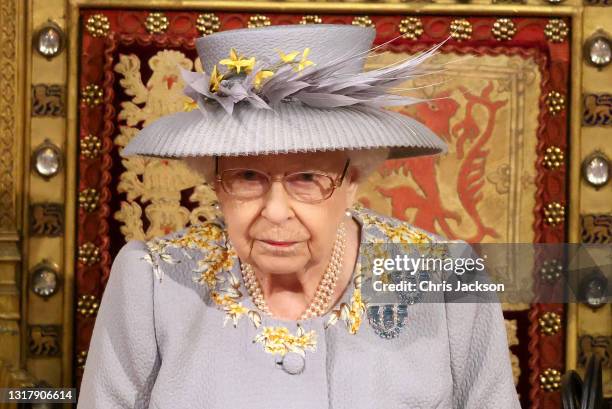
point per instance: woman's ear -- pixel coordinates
(353, 185)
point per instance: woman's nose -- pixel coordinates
(277, 206)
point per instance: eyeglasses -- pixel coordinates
(307, 187)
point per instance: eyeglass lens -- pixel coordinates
(303, 186)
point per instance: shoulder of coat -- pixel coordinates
(393, 228)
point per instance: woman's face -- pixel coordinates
(276, 233)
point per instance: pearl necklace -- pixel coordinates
(323, 294)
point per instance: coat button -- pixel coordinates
(292, 363)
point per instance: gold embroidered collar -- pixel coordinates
(218, 270)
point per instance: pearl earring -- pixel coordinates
(347, 212)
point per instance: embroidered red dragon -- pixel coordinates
(469, 144)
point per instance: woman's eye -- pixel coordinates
(249, 175)
(306, 177)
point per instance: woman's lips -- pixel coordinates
(279, 243)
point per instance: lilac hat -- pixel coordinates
(282, 89)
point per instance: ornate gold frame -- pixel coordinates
(12, 120)
(18, 138)
(574, 12)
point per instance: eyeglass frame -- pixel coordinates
(336, 182)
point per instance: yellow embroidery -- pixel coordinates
(355, 312)
(234, 310)
(199, 236)
(404, 234)
(279, 341)
(350, 313)
(218, 259)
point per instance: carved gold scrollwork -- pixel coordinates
(9, 111)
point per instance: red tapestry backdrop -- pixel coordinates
(127, 80)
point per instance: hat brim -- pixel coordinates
(289, 128)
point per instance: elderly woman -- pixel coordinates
(265, 306)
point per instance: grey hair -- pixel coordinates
(365, 161)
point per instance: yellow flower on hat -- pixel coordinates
(189, 105)
(260, 77)
(237, 62)
(304, 62)
(215, 79)
(290, 59)
(287, 58)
